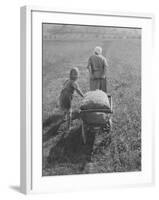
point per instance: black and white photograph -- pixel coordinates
(91, 99)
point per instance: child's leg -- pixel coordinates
(69, 119)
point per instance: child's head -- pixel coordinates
(74, 73)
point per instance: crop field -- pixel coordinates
(64, 153)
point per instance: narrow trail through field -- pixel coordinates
(69, 149)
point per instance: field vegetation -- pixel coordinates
(117, 151)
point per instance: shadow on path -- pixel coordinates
(71, 149)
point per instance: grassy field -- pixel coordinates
(123, 152)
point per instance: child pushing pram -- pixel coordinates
(66, 95)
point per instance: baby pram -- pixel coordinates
(96, 120)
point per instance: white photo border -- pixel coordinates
(32, 180)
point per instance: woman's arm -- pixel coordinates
(105, 65)
(89, 66)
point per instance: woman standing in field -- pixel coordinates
(97, 65)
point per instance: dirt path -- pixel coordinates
(68, 151)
